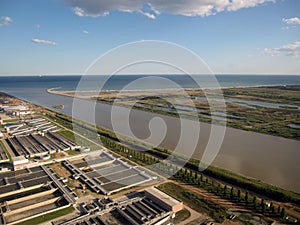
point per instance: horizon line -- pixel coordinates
(149, 74)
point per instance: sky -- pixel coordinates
(231, 36)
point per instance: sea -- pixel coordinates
(117, 82)
(272, 159)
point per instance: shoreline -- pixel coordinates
(53, 90)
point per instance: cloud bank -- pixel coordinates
(152, 8)
(5, 21)
(46, 42)
(288, 50)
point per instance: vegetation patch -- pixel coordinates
(47, 217)
(195, 201)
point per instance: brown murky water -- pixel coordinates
(268, 158)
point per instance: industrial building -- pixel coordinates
(42, 125)
(107, 174)
(19, 162)
(144, 211)
(18, 110)
(166, 201)
(32, 192)
(155, 207)
(35, 145)
(29, 126)
(151, 207)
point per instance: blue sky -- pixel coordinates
(232, 37)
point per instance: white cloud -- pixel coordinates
(46, 42)
(239, 4)
(149, 15)
(38, 26)
(85, 32)
(5, 20)
(96, 8)
(155, 7)
(289, 50)
(80, 12)
(294, 20)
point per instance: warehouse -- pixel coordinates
(32, 192)
(106, 174)
(163, 199)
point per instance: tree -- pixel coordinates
(263, 205)
(239, 195)
(254, 202)
(278, 210)
(272, 208)
(231, 193)
(225, 190)
(282, 214)
(246, 198)
(219, 188)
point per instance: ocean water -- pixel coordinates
(13, 83)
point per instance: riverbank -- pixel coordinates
(269, 109)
